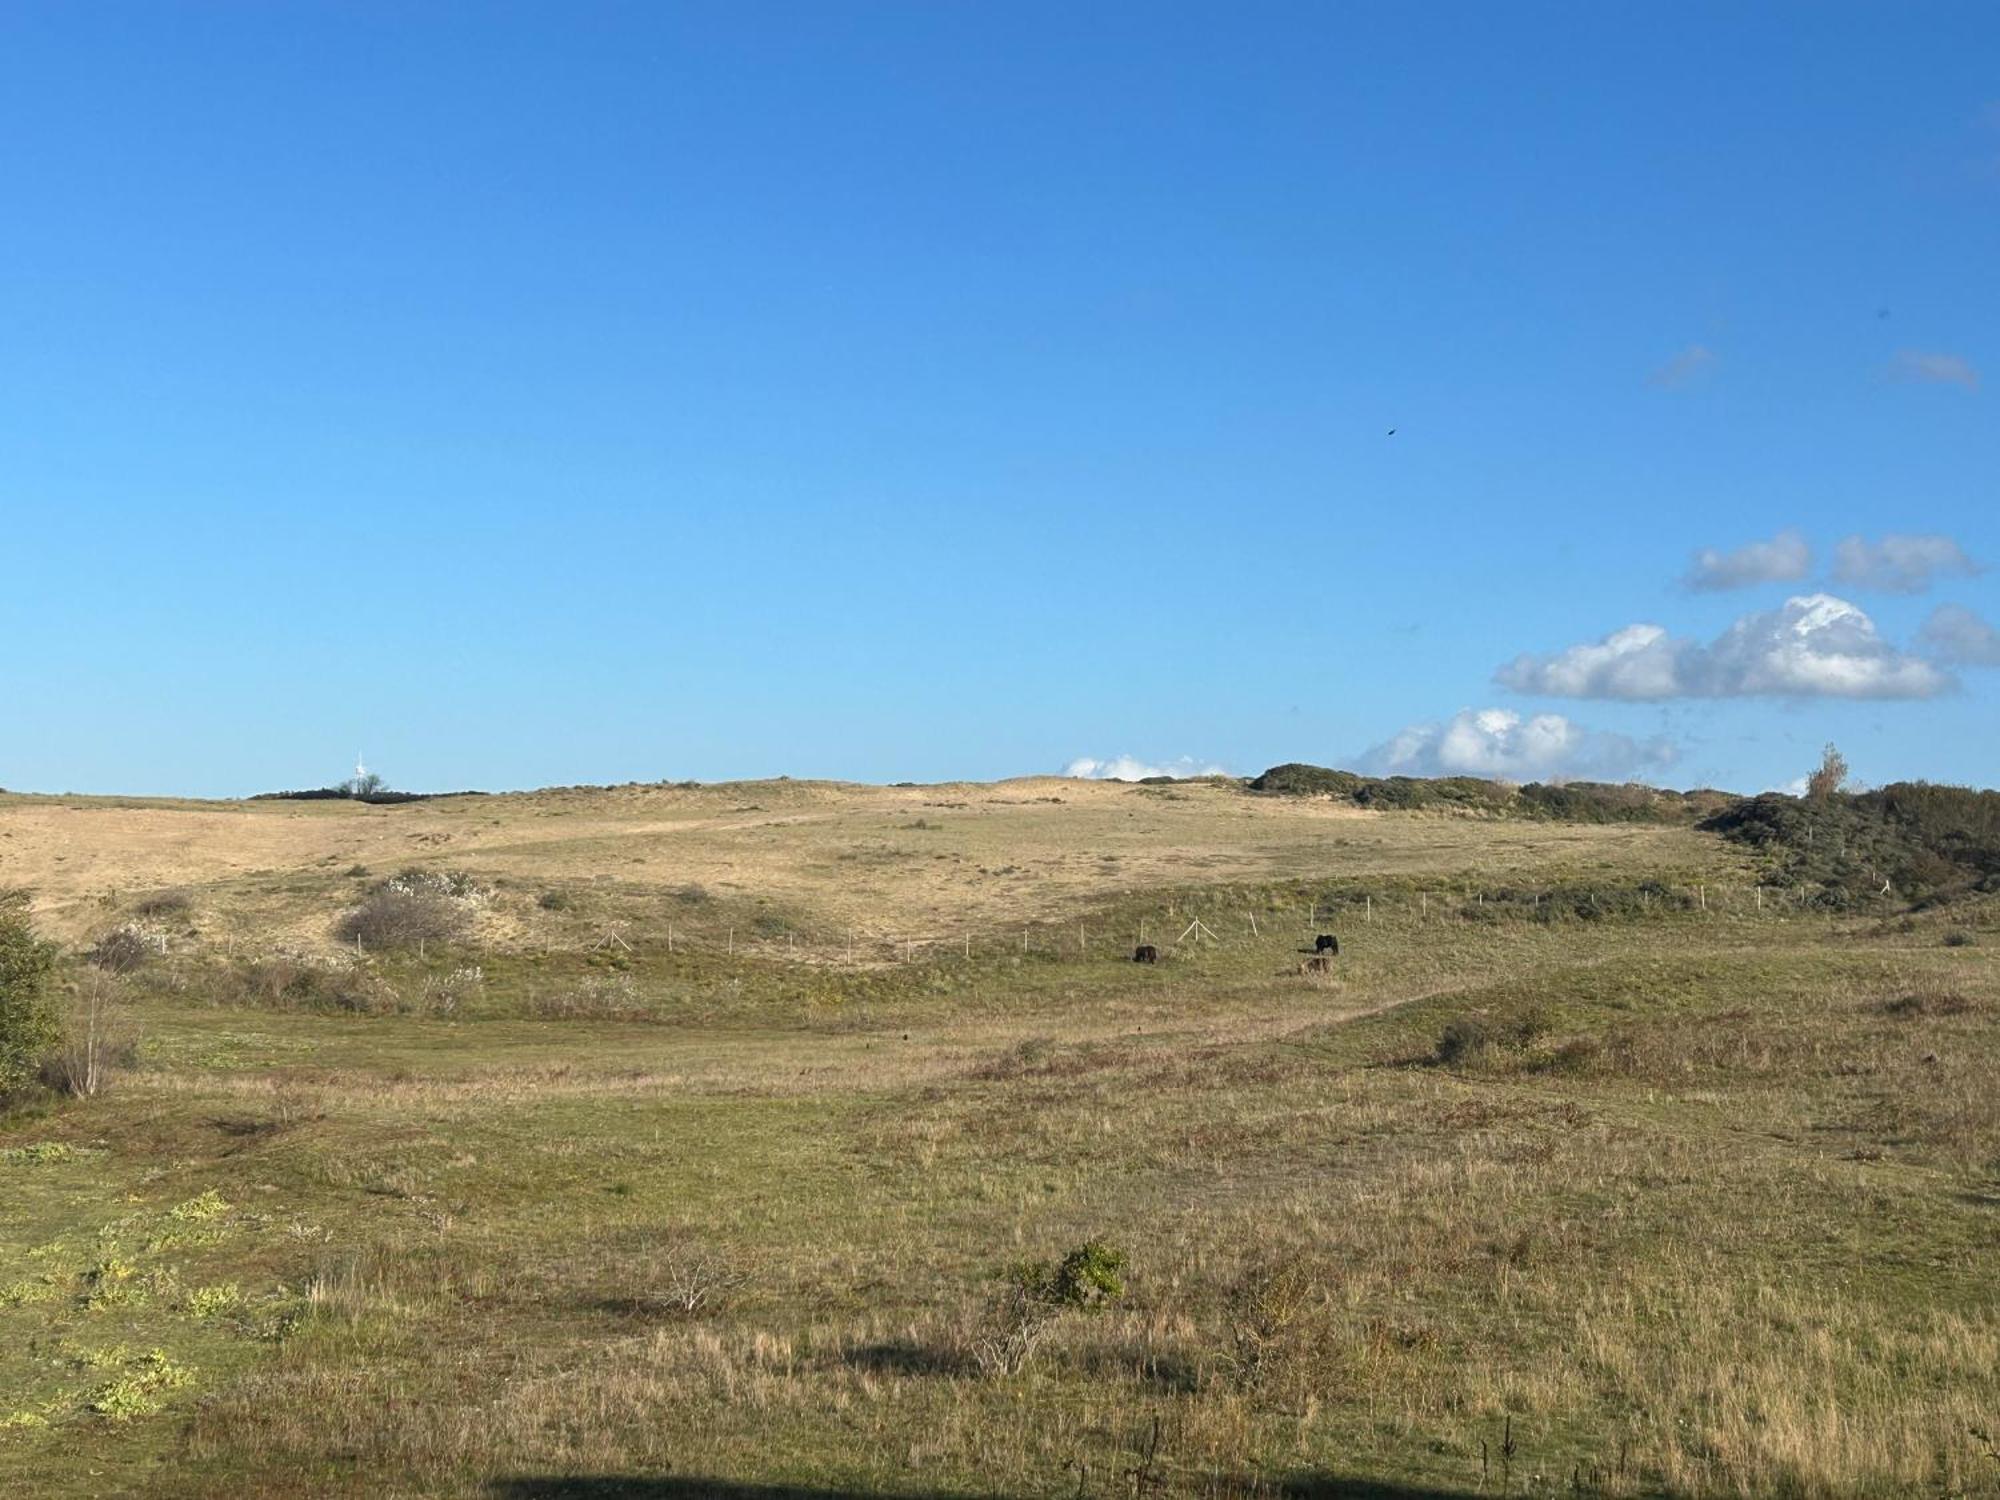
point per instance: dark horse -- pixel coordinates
(1145, 953)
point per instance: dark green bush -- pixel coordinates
(30, 1022)
(1909, 841)
(1089, 1277)
(1296, 779)
(1572, 802)
(1470, 1041)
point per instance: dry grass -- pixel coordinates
(854, 857)
(1718, 1222)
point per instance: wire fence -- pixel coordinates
(1174, 924)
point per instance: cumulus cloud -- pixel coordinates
(1785, 558)
(1639, 662)
(1936, 369)
(1500, 744)
(1131, 768)
(1899, 564)
(1816, 646)
(1957, 635)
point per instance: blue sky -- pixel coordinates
(529, 394)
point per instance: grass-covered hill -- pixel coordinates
(795, 1139)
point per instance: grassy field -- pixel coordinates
(698, 1161)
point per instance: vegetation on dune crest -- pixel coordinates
(1901, 843)
(1907, 842)
(1572, 801)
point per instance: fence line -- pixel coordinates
(1191, 924)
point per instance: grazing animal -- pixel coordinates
(1326, 942)
(1319, 963)
(1145, 953)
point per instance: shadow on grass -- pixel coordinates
(695, 1487)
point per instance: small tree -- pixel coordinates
(367, 784)
(1829, 778)
(29, 1021)
(96, 1040)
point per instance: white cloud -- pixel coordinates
(1785, 558)
(1957, 635)
(1500, 744)
(1816, 646)
(1685, 367)
(1899, 564)
(1639, 662)
(1130, 768)
(1936, 369)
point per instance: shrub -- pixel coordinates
(1296, 779)
(1572, 802)
(693, 1279)
(123, 949)
(289, 983)
(1928, 1000)
(1035, 1294)
(1470, 1041)
(1599, 802)
(454, 884)
(413, 908)
(163, 904)
(555, 901)
(1089, 1277)
(30, 1022)
(392, 919)
(1465, 1040)
(97, 1041)
(1910, 840)
(1265, 1310)
(597, 997)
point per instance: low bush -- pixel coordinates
(1909, 841)
(1266, 1311)
(1928, 1000)
(124, 949)
(286, 982)
(398, 919)
(1475, 1041)
(98, 1040)
(163, 904)
(1573, 802)
(414, 908)
(1296, 779)
(1035, 1294)
(598, 997)
(30, 1015)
